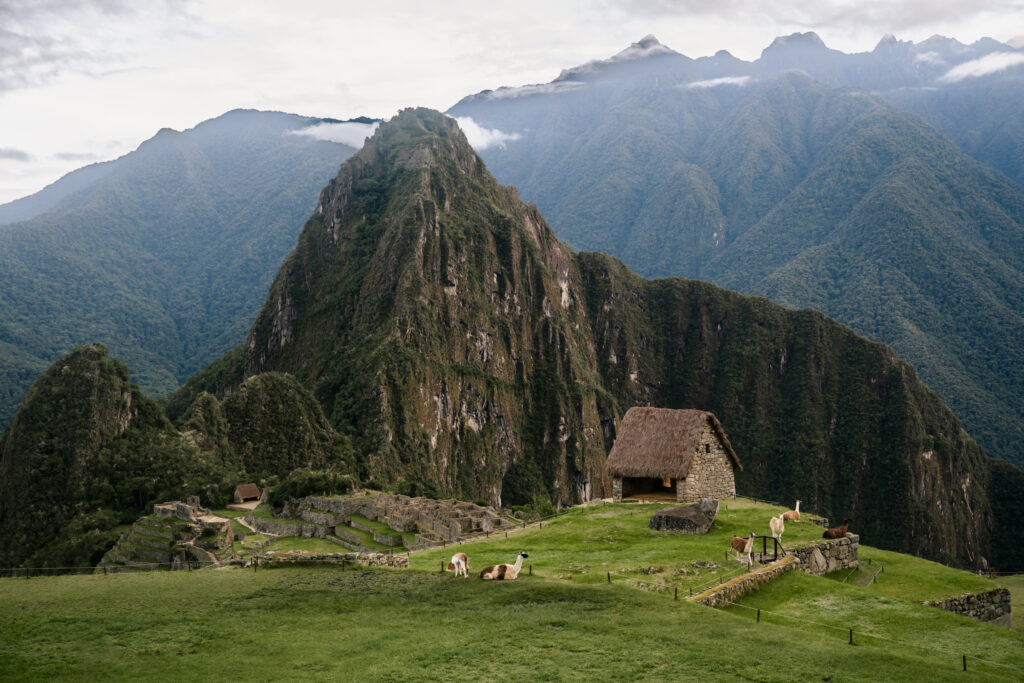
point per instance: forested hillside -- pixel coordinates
(772, 178)
(164, 253)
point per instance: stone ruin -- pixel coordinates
(412, 523)
(176, 536)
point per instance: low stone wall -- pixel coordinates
(283, 528)
(828, 556)
(736, 588)
(992, 607)
(283, 557)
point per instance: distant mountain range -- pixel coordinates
(789, 176)
(803, 177)
(164, 254)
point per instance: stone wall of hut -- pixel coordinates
(711, 474)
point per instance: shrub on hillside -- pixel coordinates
(308, 482)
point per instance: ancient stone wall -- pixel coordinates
(828, 556)
(617, 489)
(711, 474)
(736, 588)
(369, 559)
(992, 607)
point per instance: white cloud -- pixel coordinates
(482, 138)
(715, 82)
(506, 92)
(928, 58)
(989, 64)
(351, 133)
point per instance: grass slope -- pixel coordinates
(325, 623)
(420, 624)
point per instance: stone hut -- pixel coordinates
(684, 453)
(246, 492)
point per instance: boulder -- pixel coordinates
(686, 519)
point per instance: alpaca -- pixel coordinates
(837, 531)
(793, 515)
(743, 545)
(778, 526)
(505, 572)
(460, 565)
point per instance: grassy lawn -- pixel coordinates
(562, 622)
(326, 623)
(586, 544)
(885, 617)
(1016, 586)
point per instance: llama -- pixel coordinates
(778, 526)
(504, 572)
(460, 565)
(837, 531)
(793, 515)
(743, 545)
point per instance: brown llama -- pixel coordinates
(837, 531)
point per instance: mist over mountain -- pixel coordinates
(163, 253)
(786, 177)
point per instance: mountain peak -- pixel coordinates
(648, 46)
(798, 40)
(420, 138)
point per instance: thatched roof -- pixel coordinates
(247, 491)
(657, 442)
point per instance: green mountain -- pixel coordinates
(771, 183)
(467, 352)
(86, 452)
(164, 253)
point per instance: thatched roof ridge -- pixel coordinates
(247, 491)
(658, 442)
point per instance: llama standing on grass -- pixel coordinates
(460, 565)
(778, 526)
(792, 515)
(837, 531)
(743, 545)
(504, 572)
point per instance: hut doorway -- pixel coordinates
(637, 486)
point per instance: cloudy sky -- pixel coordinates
(89, 80)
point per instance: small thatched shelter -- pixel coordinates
(246, 492)
(681, 452)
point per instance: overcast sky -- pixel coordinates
(84, 81)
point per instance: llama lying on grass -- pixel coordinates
(778, 526)
(504, 572)
(792, 515)
(743, 545)
(837, 531)
(460, 565)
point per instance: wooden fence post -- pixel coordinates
(759, 615)
(965, 662)
(851, 636)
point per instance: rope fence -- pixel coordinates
(959, 657)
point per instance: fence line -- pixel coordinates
(887, 639)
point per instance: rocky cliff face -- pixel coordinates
(815, 412)
(466, 352)
(441, 324)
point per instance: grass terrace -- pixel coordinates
(564, 621)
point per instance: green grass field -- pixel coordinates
(330, 623)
